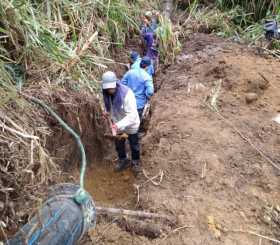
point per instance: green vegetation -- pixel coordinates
(255, 10)
(57, 37)
(242, 20)
(169, 44)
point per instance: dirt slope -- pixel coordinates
(214, 181)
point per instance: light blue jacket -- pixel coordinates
(141, 83)
(136, 63)
(150, 69)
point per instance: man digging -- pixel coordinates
(120, 104)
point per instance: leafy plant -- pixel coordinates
(169, 44)
(48, 35)
(236, 19)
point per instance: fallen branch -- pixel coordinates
(15, 132)
(138, 214)
(137, 187)
(176, 230)
(160, 175)
(79, 52)
(273, 53)
(6, 118)
(139, 227)
(265, 79)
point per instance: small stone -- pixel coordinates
(250, 97)
(126, 178)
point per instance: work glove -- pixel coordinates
(114, 129)
(105, 115)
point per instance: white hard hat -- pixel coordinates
(109, 80)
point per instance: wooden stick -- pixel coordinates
(140, 227)
(13, 131)
(79, 52)
(137, 187)
(6, 118)
(176, 230)
(160, 174)
(139, 214)
(264, 78)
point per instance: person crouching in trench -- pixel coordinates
(120, 104)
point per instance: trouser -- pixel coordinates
(140, 113)
(134, 147)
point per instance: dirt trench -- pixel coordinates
(220, 188)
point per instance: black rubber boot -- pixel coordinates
(136, 167)
(122, 165)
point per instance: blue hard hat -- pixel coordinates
(146, 61)
(134, 55)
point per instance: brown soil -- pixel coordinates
(214, 181)
(82, 112)
(109, 188)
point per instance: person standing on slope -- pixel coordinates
(141, 83)
(135, 60)
(120, 104)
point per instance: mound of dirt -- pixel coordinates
(215, 181)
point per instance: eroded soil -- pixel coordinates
(214, 181)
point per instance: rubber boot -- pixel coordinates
(136, 167)
(122, 165)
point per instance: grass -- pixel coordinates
(47, 34)
(240, 20)
(255, 9)
(169, 45)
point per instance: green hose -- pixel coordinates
(17, 74)
(81, 195)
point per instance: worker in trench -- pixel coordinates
(121, 107)
(135, 60)
(149, 37)
(141, 83)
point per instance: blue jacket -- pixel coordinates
(136, 63)
(141, 83)
(151, 27)
(150, 69)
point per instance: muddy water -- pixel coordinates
(110, 188)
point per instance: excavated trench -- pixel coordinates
(83, 114)
(110, 188)
(107, 187)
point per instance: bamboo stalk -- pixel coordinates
(138, 214)
(79, 52)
